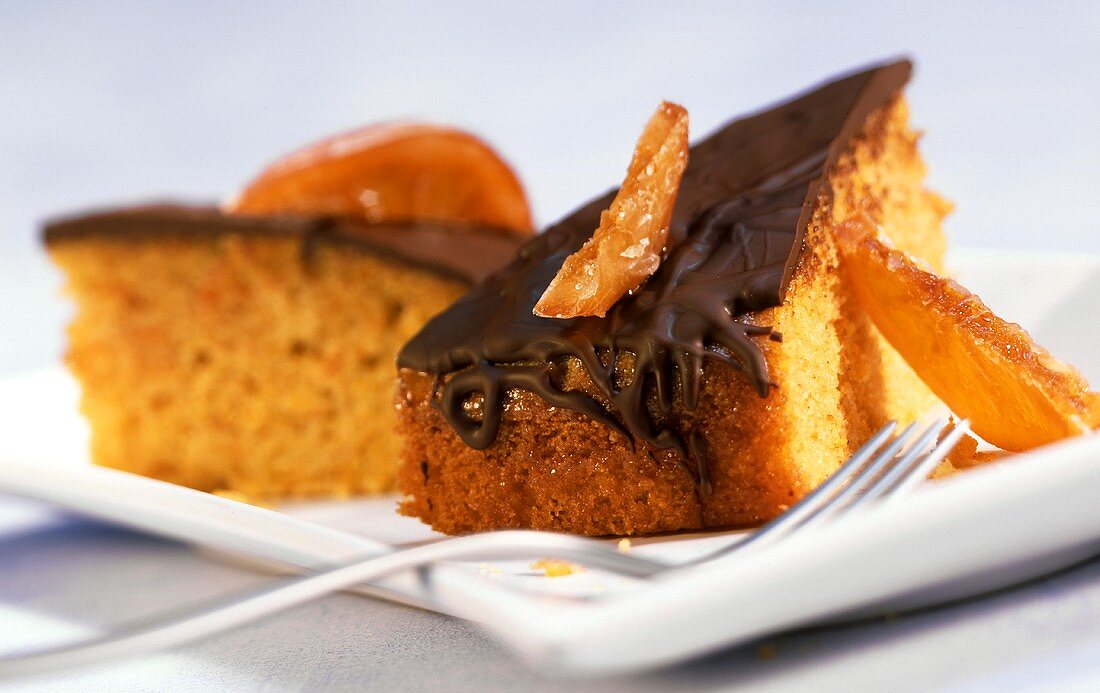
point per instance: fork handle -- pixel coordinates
(172, 631)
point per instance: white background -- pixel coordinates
(110, 101)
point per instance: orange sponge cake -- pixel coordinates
(253, 354)
(726, 387)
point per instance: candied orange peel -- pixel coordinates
(627, 247)
(393, 172)
(1016, 395)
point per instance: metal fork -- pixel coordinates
(883, 470)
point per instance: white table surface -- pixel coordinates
(111, 101)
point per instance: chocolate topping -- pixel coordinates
(745, 200)
(468, 254)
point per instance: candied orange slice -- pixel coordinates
(1016, 395)
(626, 248)
(393, 172)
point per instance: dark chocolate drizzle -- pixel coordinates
(746, 197)
(466, 253)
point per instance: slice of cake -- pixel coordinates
(253, 352)
(736, 379)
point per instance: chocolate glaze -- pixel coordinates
(468, 254)
(745, 200)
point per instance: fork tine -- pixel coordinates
(810, 504)
(883, 462)
(920, 470)
(823, 495)
(914, 466)
(905, 465)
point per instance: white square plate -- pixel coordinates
(971, 533)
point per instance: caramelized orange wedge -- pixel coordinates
(393, 172)
(1016, 395)
(626, 248)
